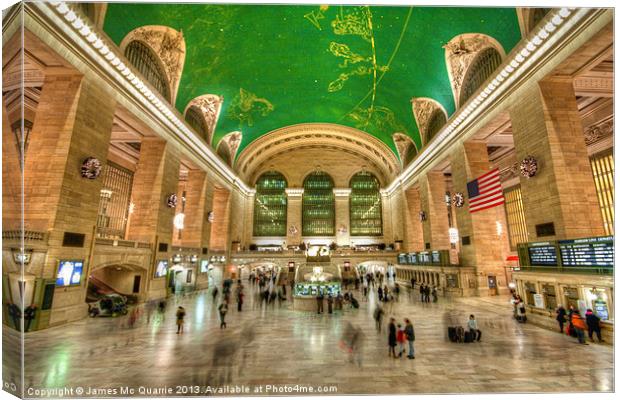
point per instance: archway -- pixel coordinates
(124, 279)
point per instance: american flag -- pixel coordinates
(485, 192)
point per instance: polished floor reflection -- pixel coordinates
(278, 346)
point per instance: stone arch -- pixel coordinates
(169, 47)
(210, 106)
(228, 146)
(407, 149)
(460, 52)
(427, 112)
(120, 276)
(480, 69)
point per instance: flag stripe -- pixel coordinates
(489, 191)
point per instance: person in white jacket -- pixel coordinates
(473, 328)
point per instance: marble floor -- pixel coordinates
(283, 348)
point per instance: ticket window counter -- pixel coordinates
(549, 294)
(530, 291)
(571, 297)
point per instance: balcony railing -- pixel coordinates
(28, 235)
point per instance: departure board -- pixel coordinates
(543, 254)
(402, 259)
(435, 257)
(413, 258)
(424, 257)
(588, 252)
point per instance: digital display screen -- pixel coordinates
(69, 273)
(435, 257)
(402, 259)
(424, 257)
(161, 269)
(204, 266)
(590, 252)
(413, 258)
(541, 255)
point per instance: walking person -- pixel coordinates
(434, 293)
(579, 326)
(400, 339)
(422, 291)
(380, 293)
(378, 315)
(330, 303)
(392, 338)
(180, 319)
(223, 309)
(561, 317)
(473, 328)
(410, 335)
(319, 302)
(594, 326)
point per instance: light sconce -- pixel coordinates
(22, 256)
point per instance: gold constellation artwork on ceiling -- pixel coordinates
(246, 106)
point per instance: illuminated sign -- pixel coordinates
(69, 273)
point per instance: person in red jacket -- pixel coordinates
(579, 326)
(400, 339)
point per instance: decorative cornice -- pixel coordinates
(345, 192)
(294, 192)
(515, 67)
(108, 58)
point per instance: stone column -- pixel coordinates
(220, 227)
(342, 197)
(73, 122)
(433, 202)
(487, 250)
(414, 235)
(195, 213)
(547, 126)
(156, 178)
(293, 216)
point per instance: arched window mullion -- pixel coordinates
(479, 71)
(365, 208)
(147, 63)
(318, 205)
(270, 205)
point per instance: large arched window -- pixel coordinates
(270, 205)
(435, 123)
(480, 69)
(146, 61)
(318, 205)
(195, 119)
(537, 15)
(365, 205)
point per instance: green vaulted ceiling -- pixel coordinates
(280, 65)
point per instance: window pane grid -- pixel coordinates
(143, 58)
(114, 200)
(515, 216)
(603, 172)
(365, 212)
(318, 205)
(270, 205)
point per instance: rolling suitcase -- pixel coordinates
(452, 334)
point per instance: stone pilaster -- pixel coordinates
(195, 213)
(547, 126)
(220, 227)
(433, 203)
(487, 250)
(386, 216)
(414, 236)
(73, 122)
(293, 216)
(342, 197)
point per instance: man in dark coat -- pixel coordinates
(561, 317)
(392, 337)
(593, 322)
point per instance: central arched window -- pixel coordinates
(318, 205)
(365, 205)
(147, 63)
(480, 69)
(270, 205)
